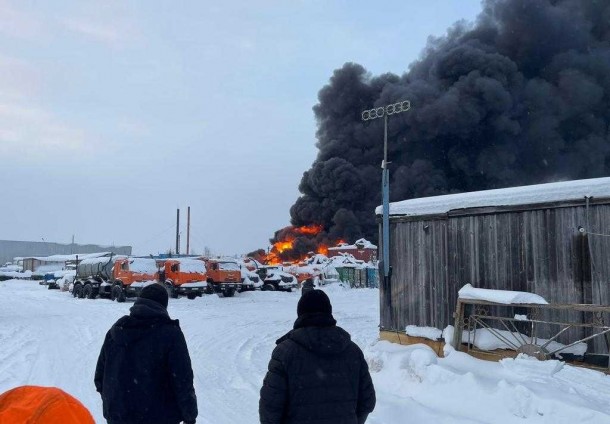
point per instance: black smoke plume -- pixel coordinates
(521, 96)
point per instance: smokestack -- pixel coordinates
(177, 231)
(188, 230)
(521, 96)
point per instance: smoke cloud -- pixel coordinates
(521, 96)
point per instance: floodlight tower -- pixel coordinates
(385, 112)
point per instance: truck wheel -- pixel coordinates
(191, 295)
(77, 290)
(118, 294)
(171, 291)
(268, 287)
(228, 292)
(88, 291)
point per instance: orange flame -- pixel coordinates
(273, 257)
(312, 229)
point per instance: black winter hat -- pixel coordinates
(314, 301)
(155, 292)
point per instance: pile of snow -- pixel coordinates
(11, 268)
(506, 297)
(485, 339)
(430, 333)
(462, 389)
(16, 274)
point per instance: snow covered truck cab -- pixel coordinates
(223, 276)
(182, 276)
(115, 277)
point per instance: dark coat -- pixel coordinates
(144, 370)
(317, 375)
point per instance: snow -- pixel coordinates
(192, 265)
(430, 333)
(66, 258)
(506, 297)
(194, 284)
(143, 265)
(99, 260)
(358, 244)
(484, 339)
(49, 338)
(525, 195)
(15, 274)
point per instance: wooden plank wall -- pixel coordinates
(539, 251)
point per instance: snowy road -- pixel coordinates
(49, 338)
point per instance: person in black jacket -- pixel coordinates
(316, 375)
(144, 370)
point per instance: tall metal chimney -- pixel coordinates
(188, 230)
(177, 231)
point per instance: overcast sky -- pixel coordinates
(113, 114)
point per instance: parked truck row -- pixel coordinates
(121, 277)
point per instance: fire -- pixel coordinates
(312, 229)
(274, 258)
(281, 246)
(322, 250)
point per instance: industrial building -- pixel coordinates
(10, 249)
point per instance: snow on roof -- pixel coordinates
(524, 195)
(506, 297)
(66, 258)
(358, 244)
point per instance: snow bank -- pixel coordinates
(485, 339)
(500, 296)
(462, 389)
(431, 333)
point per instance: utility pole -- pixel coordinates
(384, 266)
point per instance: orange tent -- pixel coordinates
(42, 405)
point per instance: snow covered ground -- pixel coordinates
(49, 338)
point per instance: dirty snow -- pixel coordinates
(49, 338)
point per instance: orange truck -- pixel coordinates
(114, 277)
(223, 276)
(183, 276)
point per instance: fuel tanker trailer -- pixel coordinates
(114, 277)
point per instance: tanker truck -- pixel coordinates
(114, 277)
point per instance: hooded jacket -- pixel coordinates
(316, 375)
(144, 369)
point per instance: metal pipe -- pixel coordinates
(188, 229)
(177, 231)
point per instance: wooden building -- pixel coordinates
(549, 239)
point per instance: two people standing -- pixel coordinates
(316, 375)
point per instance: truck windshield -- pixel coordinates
(228, 266)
